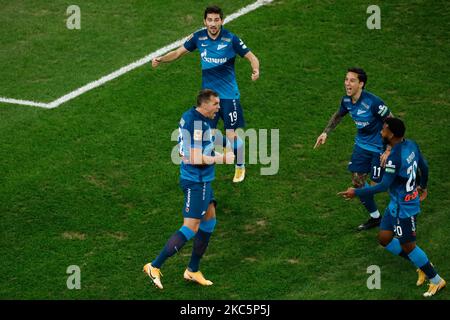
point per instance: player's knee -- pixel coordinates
(383, 242)
(238, 143)
(358, 180)
(231, 134)
(408, 247)
(189, 231)
(220, 139)
(384, 239)
(208, 225)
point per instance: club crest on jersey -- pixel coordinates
(221, 46)
(360, 112)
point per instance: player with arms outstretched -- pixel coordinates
(399, 224)
(218, 48)
(368, 112)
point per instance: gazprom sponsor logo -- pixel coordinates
(188, 200)
(362, 123)
(215, 60)
(204, 56)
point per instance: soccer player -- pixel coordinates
(398, 227)
(368, 112)
(196, 174)
(218, 48)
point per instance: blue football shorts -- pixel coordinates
(197, 197)
(404, 228)
(365, 161)
(231, 113)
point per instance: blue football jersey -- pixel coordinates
(217, 59)
(195, 132)
(401, 177)
(368, 113)
(404, 161)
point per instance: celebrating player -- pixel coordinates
(403, 165)
(218, 48)
(368, 111)
(196, 174)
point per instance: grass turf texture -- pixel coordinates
(91, 183)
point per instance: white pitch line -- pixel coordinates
(24, 102)
(94, 84)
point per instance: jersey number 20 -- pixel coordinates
(411, 183)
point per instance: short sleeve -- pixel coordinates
(342, 109)
(191, 43)
(239, 46)
(380, 110)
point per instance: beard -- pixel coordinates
(386, 141)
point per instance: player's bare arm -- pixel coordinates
(198, 158)
(169, 57)
(254, 63)
(332, 124)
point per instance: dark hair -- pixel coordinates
(213, 9)
(362, 76)
(205, 95)
(396, 126)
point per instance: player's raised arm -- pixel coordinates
(169, 57)
(334, 121)
(198, 158)
(254, 63)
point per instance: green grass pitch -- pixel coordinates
(91, 183)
